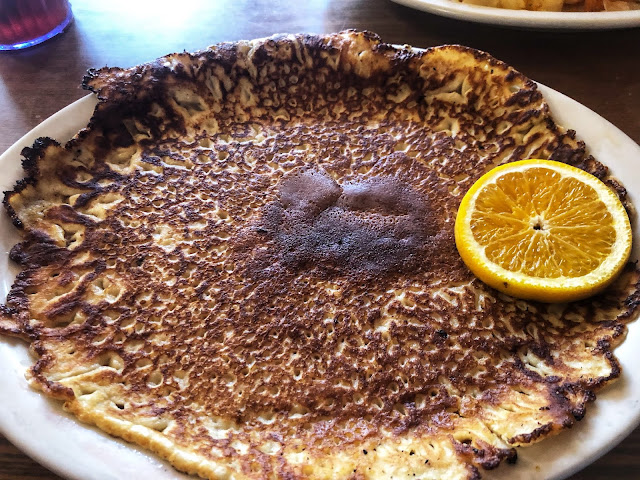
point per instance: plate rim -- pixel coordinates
(65, 467)
(525, 18)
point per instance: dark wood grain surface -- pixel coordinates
(599, 69)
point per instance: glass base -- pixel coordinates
(35, 41)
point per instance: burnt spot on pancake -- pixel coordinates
(367, 226)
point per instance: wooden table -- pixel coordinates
(599, 69)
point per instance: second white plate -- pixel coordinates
(526, 18)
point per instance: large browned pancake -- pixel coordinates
(246, 264)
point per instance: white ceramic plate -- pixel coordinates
(525, 18)
(40, 428)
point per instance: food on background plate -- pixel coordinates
(246, 264)
(559, 5)
(543, 230)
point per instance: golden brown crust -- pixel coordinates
(246, 264)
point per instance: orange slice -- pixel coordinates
(543, 230)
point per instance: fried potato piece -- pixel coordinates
(593, 5)
(545, 5)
